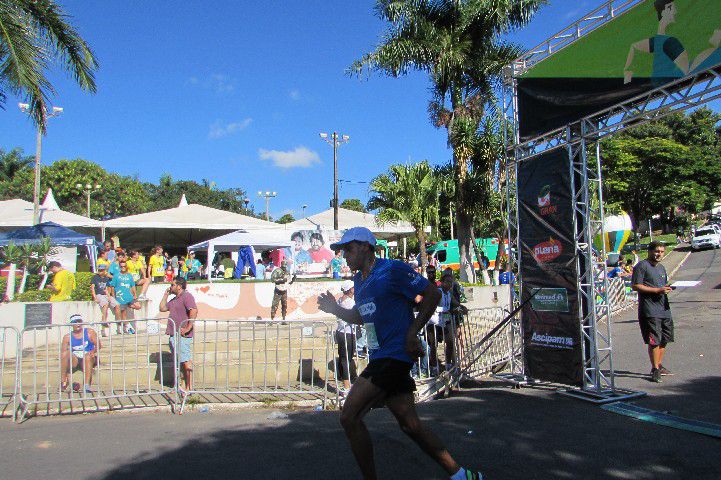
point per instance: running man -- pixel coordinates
(385, 291)
(78, 351)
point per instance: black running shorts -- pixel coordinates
(390, 375)
(656, 331)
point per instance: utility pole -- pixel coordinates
(267, 195)
(88, 190)
(335, 140)
(25, 108)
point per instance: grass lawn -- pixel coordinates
(668, 239)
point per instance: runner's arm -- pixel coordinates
(426, 308)
(328, 304)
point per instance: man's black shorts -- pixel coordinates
(656, 331)
(390, 375)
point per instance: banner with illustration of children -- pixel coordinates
(310, 255)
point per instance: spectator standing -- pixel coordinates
(169, 274)
(63, 282)
(124, 289)
(194, 267)
(345, 339)
(431, 275)
(182, 311)
(260, 270)
(156, 265)
(229, 265)
(654, 312)
(136, 268)
(385, 291)
(98, 290)
(336, 265)
(282, 278)
(78, 351)
(102, 259)
(110, 248)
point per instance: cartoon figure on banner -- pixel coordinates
(297, 255)
(318, 252)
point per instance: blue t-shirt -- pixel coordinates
(122, 283)
(114, 269)
(385, 301)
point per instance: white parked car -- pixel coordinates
(706, 237)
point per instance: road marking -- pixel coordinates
(664, 419)
(679, 264)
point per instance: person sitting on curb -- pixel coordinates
(78, 351)
(98, 290)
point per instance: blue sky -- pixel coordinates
(237, 92)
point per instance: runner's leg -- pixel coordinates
(403, 408)
(363, 395)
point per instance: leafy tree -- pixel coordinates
(353, 204)
(168, 192)
(407, 193)
(457, 43)
(286, 218)
(34, 34)
(12, 162)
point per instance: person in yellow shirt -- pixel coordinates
(137, 268)
(103, 259)
(156, 265)
(63, 282)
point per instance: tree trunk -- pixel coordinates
(465, 239)
(421, 236)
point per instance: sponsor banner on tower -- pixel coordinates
(654, 43)
(550, 320)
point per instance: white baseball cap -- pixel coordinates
(346, 285)
(357, 234)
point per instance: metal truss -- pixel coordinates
(597, 18)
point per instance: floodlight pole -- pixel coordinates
(335, 141)
(88, 189)
(55, 111)
(267, 195)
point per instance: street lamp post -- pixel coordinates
(304, 207)
(25, 108)
(88, 189)
(267, 195)
(335, 140)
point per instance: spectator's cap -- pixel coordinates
(355, 234)
(102, 266)
(191, 253)
(76, 318)
(347, 285)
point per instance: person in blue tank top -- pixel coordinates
(385, 293)
(78, 351)
(670, 59)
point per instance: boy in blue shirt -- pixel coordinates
(385, 291)
(123, 285)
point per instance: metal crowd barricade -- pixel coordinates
(130, 371)
(8, 371)
(480, 355)
(618, 297)
(258, 361)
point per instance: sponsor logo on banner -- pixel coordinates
(550, 300)
(544, 201)
(547, 251)
(551, 341)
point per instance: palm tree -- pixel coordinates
(12, 162)
(33, 34)
(456, 42)
(407, 193)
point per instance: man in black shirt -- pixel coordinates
(654, 313)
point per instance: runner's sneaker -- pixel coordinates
(664, 371)
(464, 474)
(131, 330)
(656, 375)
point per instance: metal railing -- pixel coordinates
(8, 371)
(123, 370)
(258, 361)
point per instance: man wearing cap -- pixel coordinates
(345, 338)
(98, 289)
(282, 279)
(385, 292)
(78, 351)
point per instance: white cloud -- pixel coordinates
(294, 94)
(299, 157)
(217, 82)
(220, 130)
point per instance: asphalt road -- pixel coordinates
(525, 434)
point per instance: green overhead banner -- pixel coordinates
(652, 44)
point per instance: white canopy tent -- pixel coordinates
(180, 226)
(18, 213)
(231, 242)
(351, 218)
